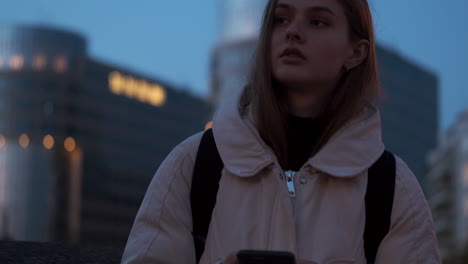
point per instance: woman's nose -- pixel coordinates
(294, 33)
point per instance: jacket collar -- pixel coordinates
(240, 146)
(354, 148)
(349, 152)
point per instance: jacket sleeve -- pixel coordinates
(162, 231)
(412, 237)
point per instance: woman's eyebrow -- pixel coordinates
(284, 6)
(321, 9)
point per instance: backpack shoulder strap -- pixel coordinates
(205, 179)
(379, 203)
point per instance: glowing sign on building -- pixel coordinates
(138, 89)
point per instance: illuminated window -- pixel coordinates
(70, 144)
(136, 89)
(131, 87)
(48, 142)
(143, 91)
(2, 141)
(39, 62)
(208, 125)
(16, 62)
(157, 95)
(60, 64)
(116, 82)
(24, 140)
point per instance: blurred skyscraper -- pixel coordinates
(80, 139)
(448, 187)
(240, 20)
(409, 113)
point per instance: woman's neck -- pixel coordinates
(305, 103)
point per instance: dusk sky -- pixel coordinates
(172, 40)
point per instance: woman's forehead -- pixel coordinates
(332, 5)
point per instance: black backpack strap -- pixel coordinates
(379, 203)
(205, 182)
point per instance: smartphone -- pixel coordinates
(265, 257)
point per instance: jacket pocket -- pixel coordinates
(340, 261)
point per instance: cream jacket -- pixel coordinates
(323, 223)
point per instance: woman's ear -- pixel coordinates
(360, 51)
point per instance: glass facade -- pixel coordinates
(31, 107)
(92, 136)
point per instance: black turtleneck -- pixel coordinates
(303, 135)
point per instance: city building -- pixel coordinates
(410, 104)
(448, 187)
(239, 25)
(80, 139)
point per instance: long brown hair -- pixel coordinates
(356, 86)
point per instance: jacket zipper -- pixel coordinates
(290, 182)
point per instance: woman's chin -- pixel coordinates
(294, 80)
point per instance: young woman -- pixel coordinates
(309, 111)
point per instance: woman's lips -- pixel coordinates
(292, 59)
(292, 56)
(293, 52)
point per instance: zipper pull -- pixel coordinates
(290, 182)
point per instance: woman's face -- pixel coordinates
(310, 43)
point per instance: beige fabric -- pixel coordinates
(324, 223)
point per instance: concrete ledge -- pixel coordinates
(54, 252)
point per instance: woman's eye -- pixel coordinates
(318, 23)
(280, 20)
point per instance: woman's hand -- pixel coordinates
(231, 259)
